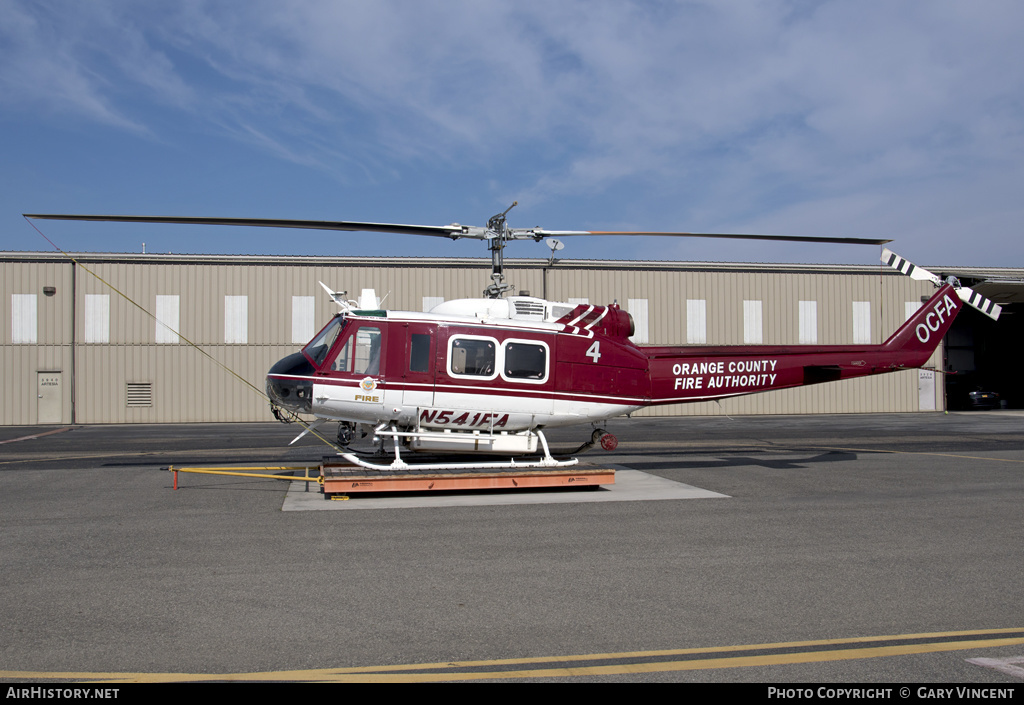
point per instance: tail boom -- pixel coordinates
(689, 373)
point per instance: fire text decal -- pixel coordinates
(719, 374)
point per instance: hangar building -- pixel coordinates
(108, 338)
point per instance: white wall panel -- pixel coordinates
(168, 310)
(637, 308)
(236, 320)
(696, 322)
(303, 319)
(808, 323)
(910, 308)
(24, 319)
(97, 318)
(861, 322)
(753, 329)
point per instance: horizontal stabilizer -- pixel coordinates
(966, 294)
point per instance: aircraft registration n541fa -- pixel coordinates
(486, 376)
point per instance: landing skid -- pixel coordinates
(510, 464)
(462, 442)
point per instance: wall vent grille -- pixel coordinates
(140, 394)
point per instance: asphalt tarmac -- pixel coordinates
(797, 549)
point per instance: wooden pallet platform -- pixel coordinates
(343, 478)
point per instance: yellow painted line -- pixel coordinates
(684, 652)
(393, 674)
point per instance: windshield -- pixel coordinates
(316, 350)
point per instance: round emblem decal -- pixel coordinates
(368, 384)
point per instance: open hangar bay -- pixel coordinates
(838, 548)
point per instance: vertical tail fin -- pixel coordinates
(916, 340)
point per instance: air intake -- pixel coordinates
(525, 308)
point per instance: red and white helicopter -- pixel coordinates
(488, 375)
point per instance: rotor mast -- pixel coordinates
(497, 233)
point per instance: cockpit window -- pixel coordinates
(360, 353)
(317, 349)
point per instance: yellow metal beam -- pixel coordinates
(237, 472)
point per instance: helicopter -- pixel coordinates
(486, 376)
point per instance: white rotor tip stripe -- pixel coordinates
(907, 267)
(987, 306)
(968, 295)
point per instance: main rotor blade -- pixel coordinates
(453, 231)
(538, 233)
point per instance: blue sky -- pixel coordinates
(858, 119)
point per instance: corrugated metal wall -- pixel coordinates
(112, 363)
(50, 333)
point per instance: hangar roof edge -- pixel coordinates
(1013, 273)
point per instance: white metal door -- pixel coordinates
(50, 404)
(926, 390)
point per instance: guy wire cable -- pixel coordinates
(210, 357)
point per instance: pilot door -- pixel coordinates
(351, 382)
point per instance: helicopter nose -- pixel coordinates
(289, 383)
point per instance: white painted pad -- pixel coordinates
(1013, 666)
(630, 486)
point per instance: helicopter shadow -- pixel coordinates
(746, 459)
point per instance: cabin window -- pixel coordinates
(419, 352)
(525, 360)
(472, 357)
(360, 352)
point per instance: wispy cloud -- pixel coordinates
(701, 114)
(82, 60)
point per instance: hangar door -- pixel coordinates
(982, 354)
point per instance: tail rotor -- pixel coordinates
(966, 294)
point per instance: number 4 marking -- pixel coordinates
(595, 351)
